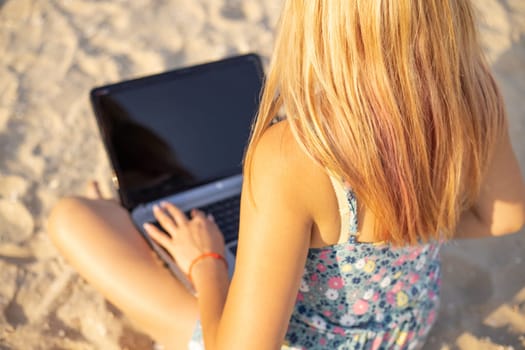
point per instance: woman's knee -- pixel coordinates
(64, 215)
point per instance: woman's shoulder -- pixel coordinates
(278, 141)
(281, 165)
(279, 153)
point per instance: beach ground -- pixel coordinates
(53, 52)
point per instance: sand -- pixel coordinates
(53, 52)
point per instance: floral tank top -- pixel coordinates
(357, 296)
(365, 295)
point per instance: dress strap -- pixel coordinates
(352, 203)
(347, 203)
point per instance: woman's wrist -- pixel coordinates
(204, 256)
(206, 267)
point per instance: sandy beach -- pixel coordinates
(53, 52)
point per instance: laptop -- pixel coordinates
(180, 136)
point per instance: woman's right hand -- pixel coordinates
(185, 239)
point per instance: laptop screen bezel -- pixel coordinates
(128, 200)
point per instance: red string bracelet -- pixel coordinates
(203, 256)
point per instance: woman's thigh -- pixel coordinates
(99, 240)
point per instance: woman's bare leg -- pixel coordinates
(98, 239)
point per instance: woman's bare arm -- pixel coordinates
(273, 244)
(500, 208)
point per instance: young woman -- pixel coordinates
(395, 140)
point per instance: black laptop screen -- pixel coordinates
(175, 130)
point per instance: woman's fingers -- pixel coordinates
(197, 214)
(164, 219)
(177, 214)
(157, 235)
(96, 189)
(93, 191)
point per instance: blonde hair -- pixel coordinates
(393, 96)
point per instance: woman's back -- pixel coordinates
(360, 295)
(409, 121)
(395, 98)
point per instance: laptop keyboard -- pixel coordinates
(226, 215)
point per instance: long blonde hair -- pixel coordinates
(393, 96)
